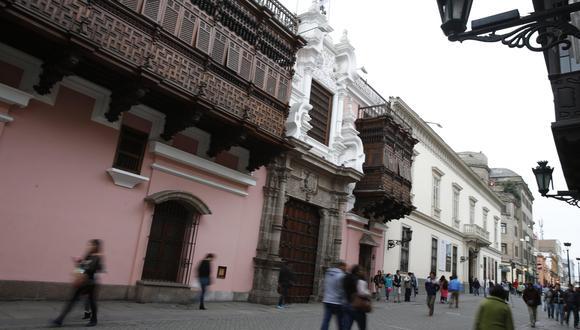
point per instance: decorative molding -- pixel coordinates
(14, 96)
(197, 179)
(364, 231)
(197, 162)
(425, 220)
(437, 171)
(457, 186)
(126, 179)
(156, 118)
(101, 95)
(357, 218)
(167, 195)
(4, 118)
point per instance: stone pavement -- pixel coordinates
(230, 315)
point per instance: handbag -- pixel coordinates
(362, 304)
(79, 278)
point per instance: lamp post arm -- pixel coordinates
(528, 25)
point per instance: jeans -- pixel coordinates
(408, 294)
(387, 293)
(550, 310)
(431, 304)
(204, 283)
(476, 291)
(559, 312)
(352, 316)
(283, 295)
(90, 290)
(454, 298)
(533, 312)
(333, 309)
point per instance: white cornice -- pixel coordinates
(364, 231)
(357, 218)
(197, 162)
(14, 96)
(198, 179)
(4, 118)
(440, 148)
(433, 223)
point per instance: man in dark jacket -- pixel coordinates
(431, 287)
(533, 300)
(285, 281)
(558, 303)
(570, 301)
(203, 275)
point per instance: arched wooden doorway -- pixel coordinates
(172, 237)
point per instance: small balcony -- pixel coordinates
(474, 233)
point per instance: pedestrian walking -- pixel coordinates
(444, 285)
(558, 302)
(476, 286)
(388, 285)
(414, 285)
(570, 305)
(516, 285)
(533, 300)
(548, 296)
(506, 287)
(334, 297)
(577, 312)
(285, 281)
(454, 289)
(204, 277)
(379, 281)
(431, 287)
(407, 287)
(85, 282)
(493, 312)
(397, 286)
(358, 299)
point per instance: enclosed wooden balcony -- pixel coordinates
(224, 66)
(384, 193)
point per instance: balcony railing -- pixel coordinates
(380, 110)
(476, 231)
(282, 15)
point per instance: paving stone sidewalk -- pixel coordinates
(230, 315)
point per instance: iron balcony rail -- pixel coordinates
(281, 13)
(379, 110)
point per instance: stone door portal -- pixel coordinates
(299, 245)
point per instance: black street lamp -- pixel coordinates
(567, 245)
(552, 26)
(407, 237)
(543, 174)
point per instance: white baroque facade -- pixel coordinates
(455, 227)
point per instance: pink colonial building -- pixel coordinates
(174, 128)
(146, 124)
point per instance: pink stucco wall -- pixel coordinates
(55, 195)
(351, 244)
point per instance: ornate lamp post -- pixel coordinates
(405, 239)
(543, 174)
(552, 26)
(567, 245)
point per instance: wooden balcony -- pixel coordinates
(224, 66)
(384, 193)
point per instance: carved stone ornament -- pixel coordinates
(123, 99)
(309, 184)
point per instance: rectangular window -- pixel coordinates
(504, 248)
(404, 266)
(130, 150)
(448, 258)
(517, 252)
(433, 254)
(485, 211)
(435, 203)
(454, 270)
(504, 228)
(456, 206)
(472, 202)
(321, 101)
(516, 231)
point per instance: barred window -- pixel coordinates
(433, 254)
(404, 266)
(321, 101)
(130, 150)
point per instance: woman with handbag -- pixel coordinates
(85, 282)
(359, 298)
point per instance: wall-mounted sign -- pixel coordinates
(221, 271)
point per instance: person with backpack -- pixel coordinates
(532, 299)
(431, 287)
(334, 296)
(454, 288)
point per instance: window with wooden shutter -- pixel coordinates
(187, 27)
(234, 57)
(283, 89)
(203, 37)
(151, 9)
(321, 101)
(260, 74)
(246, 68)
(133, 4)
(219, 47)
(130, 150)
(170, 16)
(272, 82)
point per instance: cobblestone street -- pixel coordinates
(128, 315)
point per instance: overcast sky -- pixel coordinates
(488, 97)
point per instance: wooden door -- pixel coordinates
(299, 245)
